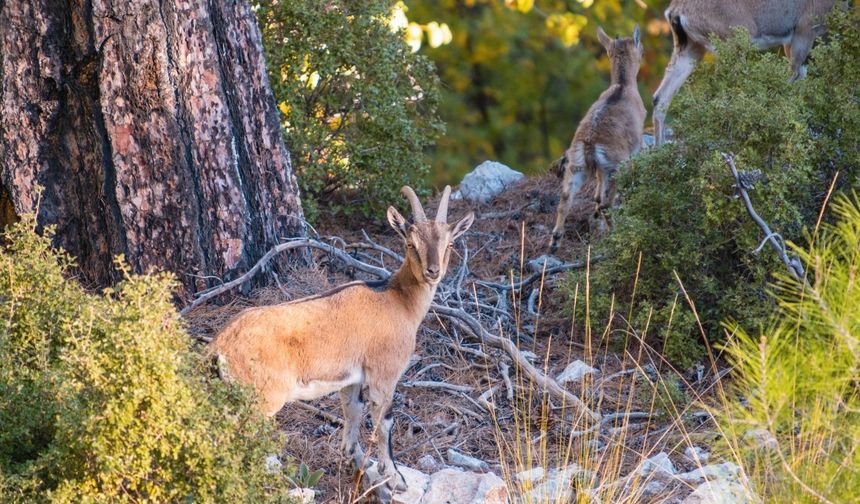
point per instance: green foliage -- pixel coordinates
(103, 400)
(519, 75)
(358, 107)
(304, 478)
(797, 381)
(680, 215)
(832, 94)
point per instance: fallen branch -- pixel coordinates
(289, 245)
(316, 411)
(436, 384)
(795, 267)
(549, 385)
(537, 276)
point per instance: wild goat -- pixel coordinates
(609, 134)
(794, 24)
(356, 338)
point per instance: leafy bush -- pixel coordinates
(103, 400)
(359, 108)
(680, 214)
(832, 94)
(795, 385)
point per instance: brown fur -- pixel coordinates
(792, 23)
(356, 337)
(608, 135)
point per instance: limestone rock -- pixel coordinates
(537, 265)
(486, 181)
(720, 492)
(452, 486)
(302, 495)
(575, 371)
(466, 462)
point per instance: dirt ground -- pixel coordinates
(428, 421)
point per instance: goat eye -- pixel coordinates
(409, 245)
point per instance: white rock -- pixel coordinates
(726, 471)
(650, 489)
(529, 356)
(720, 492)
(416, 483)
(466, 462)
(273, 463)
(452, 486)
(302, 495)
(531, 476)
(428, 463)
(537, 265)
(487, 180)
(696, 455)
(575, 371)
(560, 484)
(658, 466)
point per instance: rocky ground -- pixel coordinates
(469, 426)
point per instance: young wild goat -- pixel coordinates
(794, 24)
(608, 135)
(356, 338)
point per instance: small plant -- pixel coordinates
(795, 382)
(304, 478)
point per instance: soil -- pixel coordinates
(509, 231)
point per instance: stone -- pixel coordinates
(721, 492)
(537, 265)
(659, 466)
(560, 484)
(273, 464)
(575, 371)
(428, 463)
(726, 471)
(302, 495)
(531, 476)
(453, 486)
(416, 483)
(486, 181)
(466, 462)
(696, 455)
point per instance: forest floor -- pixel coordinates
(511, 435)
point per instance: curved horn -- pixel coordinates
(442, 213)
(417, 209)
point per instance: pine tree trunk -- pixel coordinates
(152, 128)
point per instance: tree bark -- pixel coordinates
(151, 127)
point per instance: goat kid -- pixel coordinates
(609, 134)
(356, 338)
(794, 24)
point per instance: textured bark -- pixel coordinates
(151, 126)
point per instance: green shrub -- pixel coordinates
(102, 399)
(358, 107)
(796, 383)
(680, 213)
(832, 94)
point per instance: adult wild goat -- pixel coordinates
(609, 134)
(356, 338)
(794, 24)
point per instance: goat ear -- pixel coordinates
(462, 226)
(636, 40)
(604, 39)
(397, 221)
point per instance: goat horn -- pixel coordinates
(442, 213)
(417, 209)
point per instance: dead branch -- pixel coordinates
(549, 385)
(204, 296)
(795, 267)
(436, 384)
(537, 276)
(316, 411)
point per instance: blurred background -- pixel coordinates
(517, 76)
(379, 93)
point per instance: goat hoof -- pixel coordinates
(553, 243)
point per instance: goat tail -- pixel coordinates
(559, 166)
